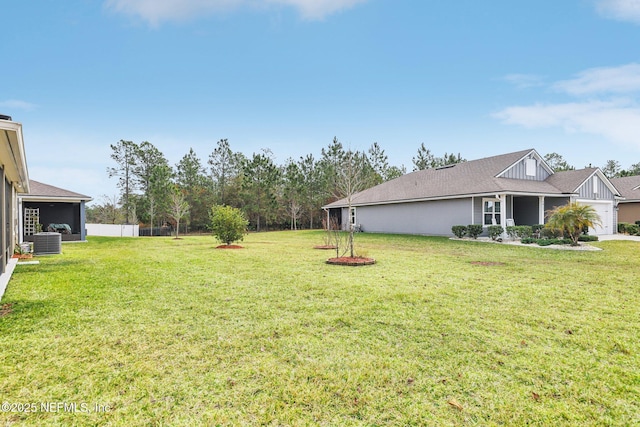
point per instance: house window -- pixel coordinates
(531, 165)
(352, 217)
(491, 211)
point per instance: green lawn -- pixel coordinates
(174, 332)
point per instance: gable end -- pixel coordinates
(596, 187)
(531, 167)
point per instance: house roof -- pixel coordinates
(41, 191)
(629, 188)
(474, 177)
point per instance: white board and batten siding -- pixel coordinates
(595, 193)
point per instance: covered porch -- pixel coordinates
(514, 209)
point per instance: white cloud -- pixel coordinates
(623, 79)
(156, 12)
(524, 81)
(622, 10)
(16, 104)
(318, 9)
(615, 119)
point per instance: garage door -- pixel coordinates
(605, 210)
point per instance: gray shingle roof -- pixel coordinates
(569, 181)
(468, 178)
(628, 187)
(38, 189)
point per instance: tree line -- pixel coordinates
(273, 196)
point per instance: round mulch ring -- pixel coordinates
(324, 247)
(354, 262)
(229, 247)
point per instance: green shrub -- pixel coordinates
(459, 230)
(633, 229)
(638, 223)
(536, 229)
(495, 231)
(548, 242)
(622, 227)
(474, 230)
(528, 240)
(587, 238)
(519, 231)
(549, 233)
(228, 224)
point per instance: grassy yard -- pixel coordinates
(159, 331)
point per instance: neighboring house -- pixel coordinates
(48, 205)
(515, 188)
(15, 180)
(629, 208)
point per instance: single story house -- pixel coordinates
(510, 189)
(629, 208)
(14, 180)
(49, 208)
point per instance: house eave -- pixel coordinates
(49, 199)
(12, 148)
(460, 196)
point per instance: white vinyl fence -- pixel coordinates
(113, 230)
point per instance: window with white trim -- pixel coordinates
(491, 211)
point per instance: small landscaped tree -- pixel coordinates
(228, 224)
(571, 219)
(178, 208)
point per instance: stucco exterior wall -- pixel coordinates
(433, 218)
(629, 212)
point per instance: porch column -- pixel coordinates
(503, 211)
(83, 221)
(540, 209)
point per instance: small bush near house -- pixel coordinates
(549, 233)
(633, 229)
(495, 231)
(519, 231)
(528, 240)
(459, 231)
(228, 224)
(474, 230)
(587, 238)
(622, 227)
(536, 229)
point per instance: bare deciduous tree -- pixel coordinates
(178, 208)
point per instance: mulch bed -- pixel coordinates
(354, 262)
(229, 247)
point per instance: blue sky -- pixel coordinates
(476, 77)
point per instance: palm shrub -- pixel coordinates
(571, 219)
(228, 224)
